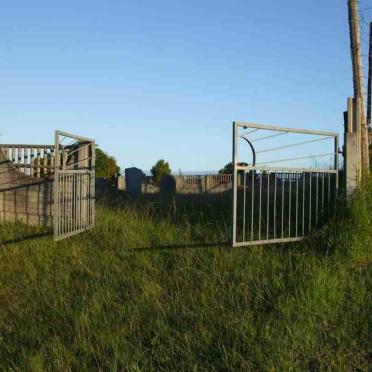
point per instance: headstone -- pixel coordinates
(121, 183)
(168, 186)
(134, 179)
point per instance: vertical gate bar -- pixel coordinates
(244, 202)
(268, 206)
(78, 200)
(297, 174)
(93, 186)
(55, 189)
(290, 204)
(72, 203)
(69, 203)
(82, 202)
(88, 200)
(275, 188)
(61, 204)
(73, 221)
(260, 211)
(75, 201)
(64, 204)
(336, 165)
(329, 195)
(322, 196)
(303, 202)
(235, 185)
(252, 211)
(310, 199)
(85, 201)
(283, 186)
(91, 201)
(317, 198)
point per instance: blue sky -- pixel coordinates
(165, 79)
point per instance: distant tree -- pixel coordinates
(106, 165)
(159, 170)
(229, 168)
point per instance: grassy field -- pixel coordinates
(154, 288)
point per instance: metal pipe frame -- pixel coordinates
(74, 191)
(296, 199)
(247, 125)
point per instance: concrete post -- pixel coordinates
(352, 146)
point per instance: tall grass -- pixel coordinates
(156, 288)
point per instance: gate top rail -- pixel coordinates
(263, 168)
(248, 125)
(16, 145)
(69, 135)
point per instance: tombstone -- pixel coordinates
(134, 179)
(121, 183)
(168, 186)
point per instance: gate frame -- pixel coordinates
(60, 168)
(237, 167)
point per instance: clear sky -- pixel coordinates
(164, 79)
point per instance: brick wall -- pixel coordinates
(24, 198)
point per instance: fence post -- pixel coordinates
(352, 148)
(207, 180)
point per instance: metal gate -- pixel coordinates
(74, 185)
(285, 185)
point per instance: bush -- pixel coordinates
(159, 170)
(106, 165)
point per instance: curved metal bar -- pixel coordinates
(252, 148)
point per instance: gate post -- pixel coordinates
(352, 146)
(235, 181)
(57, 161)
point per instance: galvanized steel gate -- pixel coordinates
(74, 185)
(285, 191)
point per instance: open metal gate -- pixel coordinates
(286, 185)
(74, 185)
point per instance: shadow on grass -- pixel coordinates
(195, 245)
(25, 238)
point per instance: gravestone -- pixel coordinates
(134, 178)
(168, 187)
(121, 183)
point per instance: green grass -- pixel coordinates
(130, 296)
